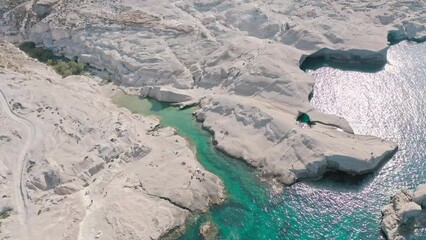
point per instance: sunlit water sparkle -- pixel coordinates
(389, 104)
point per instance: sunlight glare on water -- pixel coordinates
(389, 104)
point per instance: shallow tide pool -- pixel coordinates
(389, 104)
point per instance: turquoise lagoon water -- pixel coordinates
(389, 103)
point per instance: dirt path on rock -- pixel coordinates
(20, 193)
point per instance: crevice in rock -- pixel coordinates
(175, 203)
(164, 198)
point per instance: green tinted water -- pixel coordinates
(389, 104)
(242, 213)
(252, 210)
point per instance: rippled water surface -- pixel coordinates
(388, 104)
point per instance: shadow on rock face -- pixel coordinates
(315, 63)
(394, 37)
(51, 179)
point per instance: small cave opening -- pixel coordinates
(355, 63)
(304, 118)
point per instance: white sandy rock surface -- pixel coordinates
(405, 213)
(248, 50)
(89, 170)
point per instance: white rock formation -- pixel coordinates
(209, 231)
(164, 94)
(88, 168)
(250, 51)
(404, 214)
(293, 152)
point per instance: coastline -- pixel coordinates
(405, 212)
(250, 86)
(266, 71)
(88, 154)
